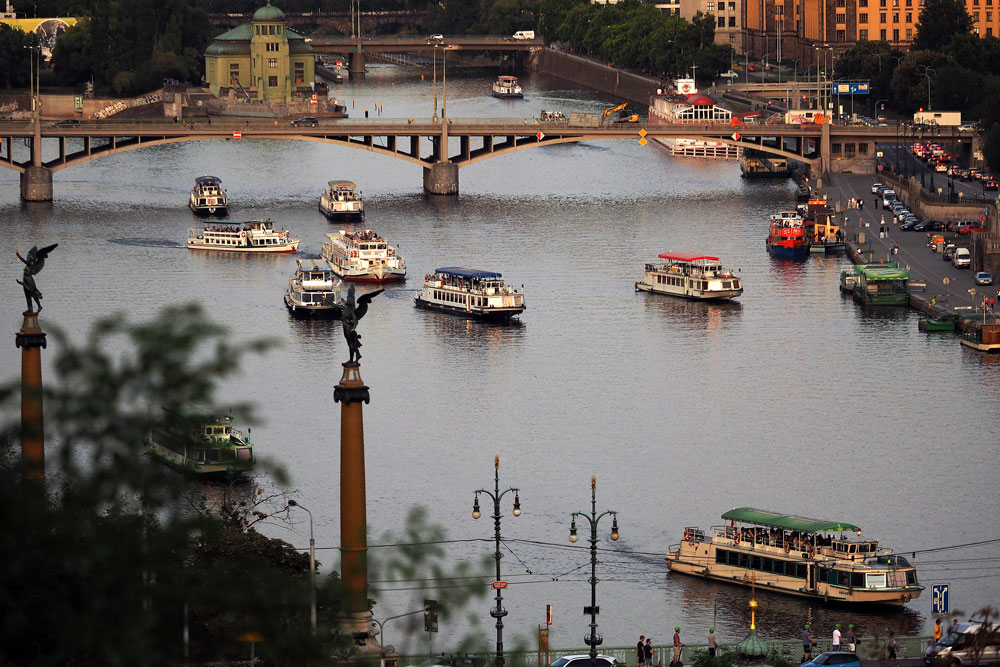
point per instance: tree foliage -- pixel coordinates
(939, 22)
(103, 564)
(15, 67)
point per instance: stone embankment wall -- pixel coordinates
(594, 75)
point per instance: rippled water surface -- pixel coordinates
(790, 399)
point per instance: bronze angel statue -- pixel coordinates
(351, 315)
(33, 264)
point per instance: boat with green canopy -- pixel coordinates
(879, 284)
(812, 558)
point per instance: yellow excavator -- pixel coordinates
(633, 118)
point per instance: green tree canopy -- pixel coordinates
(939, 22)
(15, 67)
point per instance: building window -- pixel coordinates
(841, 3)
(895, 17)
(272, 81)
(909, 17)
(882, 34)
(989, 17)
(863, 34)
(841, 18)
(841, 35)
(272, 63)
(300, 75)
(732, 23)
(895, 34)
(862, 18)
(722, 21)
(881, 19)
(732, 6)
(989, 32)
(909, 34)
(711, 6)
(279, 29)
(862, 3)
(975, 17)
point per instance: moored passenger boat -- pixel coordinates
(208, 197)
(205, 444)
(506, 87)
(474, 293)
(250, 236)
(690, 277)
(313, 291)
(823, 560)
(342, 201)
(786, 238)
(881, 285)
(363, 256)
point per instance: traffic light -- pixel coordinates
(430, 615)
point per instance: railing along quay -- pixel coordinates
(868, 648)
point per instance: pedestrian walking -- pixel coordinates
(835, 646)
(647, 652)
(892, 646)
(713, 643)
(640, 652)
(852, 639)
(678, 644)
(807, 643)
(861, 204)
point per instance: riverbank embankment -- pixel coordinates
(594, 75)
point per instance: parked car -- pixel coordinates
(923, 226)
(984, 278)
(583, 660)
(305, 121)
(991, 185)
(436, 37)
(949, 250)
(910, 226)
(962, 258)
(888, 197)
(877, 188)
(66, 121)
(834, 658)
(962, 226)
(959, 647)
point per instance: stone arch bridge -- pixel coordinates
(441, 148)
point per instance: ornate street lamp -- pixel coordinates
(495, 496)
(312, 565)
(593, 639)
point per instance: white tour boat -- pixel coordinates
(470, 292)
(313, 291)
(810, 558)
(506, 87)
(342, 201)
(688, 276)
(363, 256)
(208, 197)
(251, 236)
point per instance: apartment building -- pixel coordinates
(727, 14)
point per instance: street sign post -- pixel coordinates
(497, 585)
(939, 599)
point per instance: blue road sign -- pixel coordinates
(851, 88)
(939, 599)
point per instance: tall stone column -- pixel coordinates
(350, 392)
(31, 340)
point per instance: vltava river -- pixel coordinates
(791, 399)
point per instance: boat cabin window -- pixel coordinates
(876, 580)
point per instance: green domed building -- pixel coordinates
(262, 60)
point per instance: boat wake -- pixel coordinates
(148, 243)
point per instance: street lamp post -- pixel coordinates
(312, 565)
(927, 71)
(593, 639)
(495, 496)
(381, 631)
(434, 69)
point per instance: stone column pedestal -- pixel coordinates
(31, 340)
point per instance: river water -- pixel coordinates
(791, 399)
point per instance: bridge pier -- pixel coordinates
(356, 64)
(441, 178)
(36, 184)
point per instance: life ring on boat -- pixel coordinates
(812, 550)
(788, 548)
(243, 235)
(427, 277)
(687, 535)
(354, 253)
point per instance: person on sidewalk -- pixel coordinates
(713, 643)
(647, 651)
(861, 203)
(677, 646)
(640, 652)
(807, 643)
(892, 646)
(852, 639)
(835, 645)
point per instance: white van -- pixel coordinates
(965, 645)
(524, 34)
(962, 259)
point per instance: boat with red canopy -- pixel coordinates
(689, 276)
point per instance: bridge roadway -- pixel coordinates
(421, 141)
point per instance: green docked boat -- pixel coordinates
(202, 443)
(881, 284)
(933, 324)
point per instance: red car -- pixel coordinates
(752, 68)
